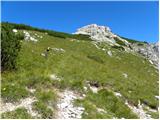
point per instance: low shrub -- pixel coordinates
(120, 42)
(50, 32)
(10, 47)
(118, 47)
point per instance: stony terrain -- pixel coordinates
(149, 51)
(66, 108)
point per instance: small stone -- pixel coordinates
(42, 54)
(118, 94)
(94, 89)
(15, 30)
(129, 91)
(125, 75)
(101, 110)
(54, 77)
(84, 95)
(103, 49)
(157, 97)
(4, 89)
(85, 88)
(109, 53)
(151, 61)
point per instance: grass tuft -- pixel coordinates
(20, 113)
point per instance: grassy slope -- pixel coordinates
(76, 68)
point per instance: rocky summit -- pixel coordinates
(99, 33)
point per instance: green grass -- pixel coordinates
(43, 110)
(75, 68)
(106, 100)
(11, 91)
(20, 113)
(154, 115)
(95, 58)
(46, 99)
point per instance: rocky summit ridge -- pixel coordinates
(104, 34)
(99, 33)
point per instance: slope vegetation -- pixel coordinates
(105, 79)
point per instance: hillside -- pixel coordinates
(79, 77)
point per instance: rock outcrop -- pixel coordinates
(98, 33)
(104, 34)
(149, 51)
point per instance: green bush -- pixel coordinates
(120, 42)
(140, 44)
(118, 47)
(10, 46)
(82, 37)
(132, 40)
(50, 32)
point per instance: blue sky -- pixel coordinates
(136, 20)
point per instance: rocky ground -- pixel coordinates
(66, 108)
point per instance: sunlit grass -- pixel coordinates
(75, 68)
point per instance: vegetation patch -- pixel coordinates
(47, 97)
(43, 110)
(12, 93)
(10, 47)
(140, 44)
(118, 47)
(132, 40)
(46, 103)
(95, 58)
(154, 115)
(20, 113)
(49, 32)
(120, 42)
(107, 101)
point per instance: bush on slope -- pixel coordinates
(10, 46)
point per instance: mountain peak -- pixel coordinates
(95, 27)
(97, 32)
